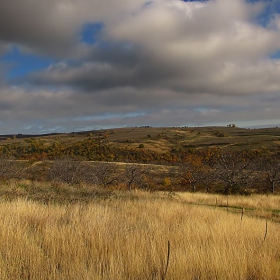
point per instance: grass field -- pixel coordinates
(125, 235)
(164, 139)
(58, 231)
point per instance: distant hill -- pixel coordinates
(264, 126)
(153, 139)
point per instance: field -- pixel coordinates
(138, 235)
(189, 159)
(164, 139)
(112, 204)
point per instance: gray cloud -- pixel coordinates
(53, 27)
(48, 111)
(190, 47)
(166, 63)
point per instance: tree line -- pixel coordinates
(230, 171)
(223, 171)
(220, 170)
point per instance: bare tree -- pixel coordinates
(72, 172)
(106, 173)
(269, 166)
(88, 174)
(10, 168)
(134, 175)
(231, 169)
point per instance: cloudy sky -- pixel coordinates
(71, 65)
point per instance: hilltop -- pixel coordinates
(161, 139)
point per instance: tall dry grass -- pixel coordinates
(255, 201)
(127, 239)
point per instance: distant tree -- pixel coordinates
(195, 171)
(72, 172)
(231, 168)
(106, 173)
(11, 168)
(269, 166)
(134, 175)
(220, 134)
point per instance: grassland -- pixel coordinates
(81, 231)
(164, 139)
(164, 150)
(125, 235)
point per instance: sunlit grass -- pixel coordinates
(265, 206)
(252, 201)
(126, 236)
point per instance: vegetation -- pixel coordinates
(105, 157)
(127, 237)
(161, 145)
(141, 203)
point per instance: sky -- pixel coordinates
(73, 65)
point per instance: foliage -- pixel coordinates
(195, 166)
(219, 133)
(195, 171)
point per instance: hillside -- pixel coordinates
(162, 139)
(177, 158)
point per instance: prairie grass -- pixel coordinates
(126, 237)
(265, 206)
(252, 201)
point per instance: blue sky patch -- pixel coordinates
(90, 31)
(270, 9)
(276, 55)
(22, 64)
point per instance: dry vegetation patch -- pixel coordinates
(126, 237)
(262, 206)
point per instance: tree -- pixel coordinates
(72, 172)
(10, 168)
(269, 166)
(231, 169)
(106, 173)
(195, 171)
(134, 175)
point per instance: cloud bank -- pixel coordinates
(162, 62)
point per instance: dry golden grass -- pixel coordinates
(265, 206)
(126, 238)
(252, 201)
